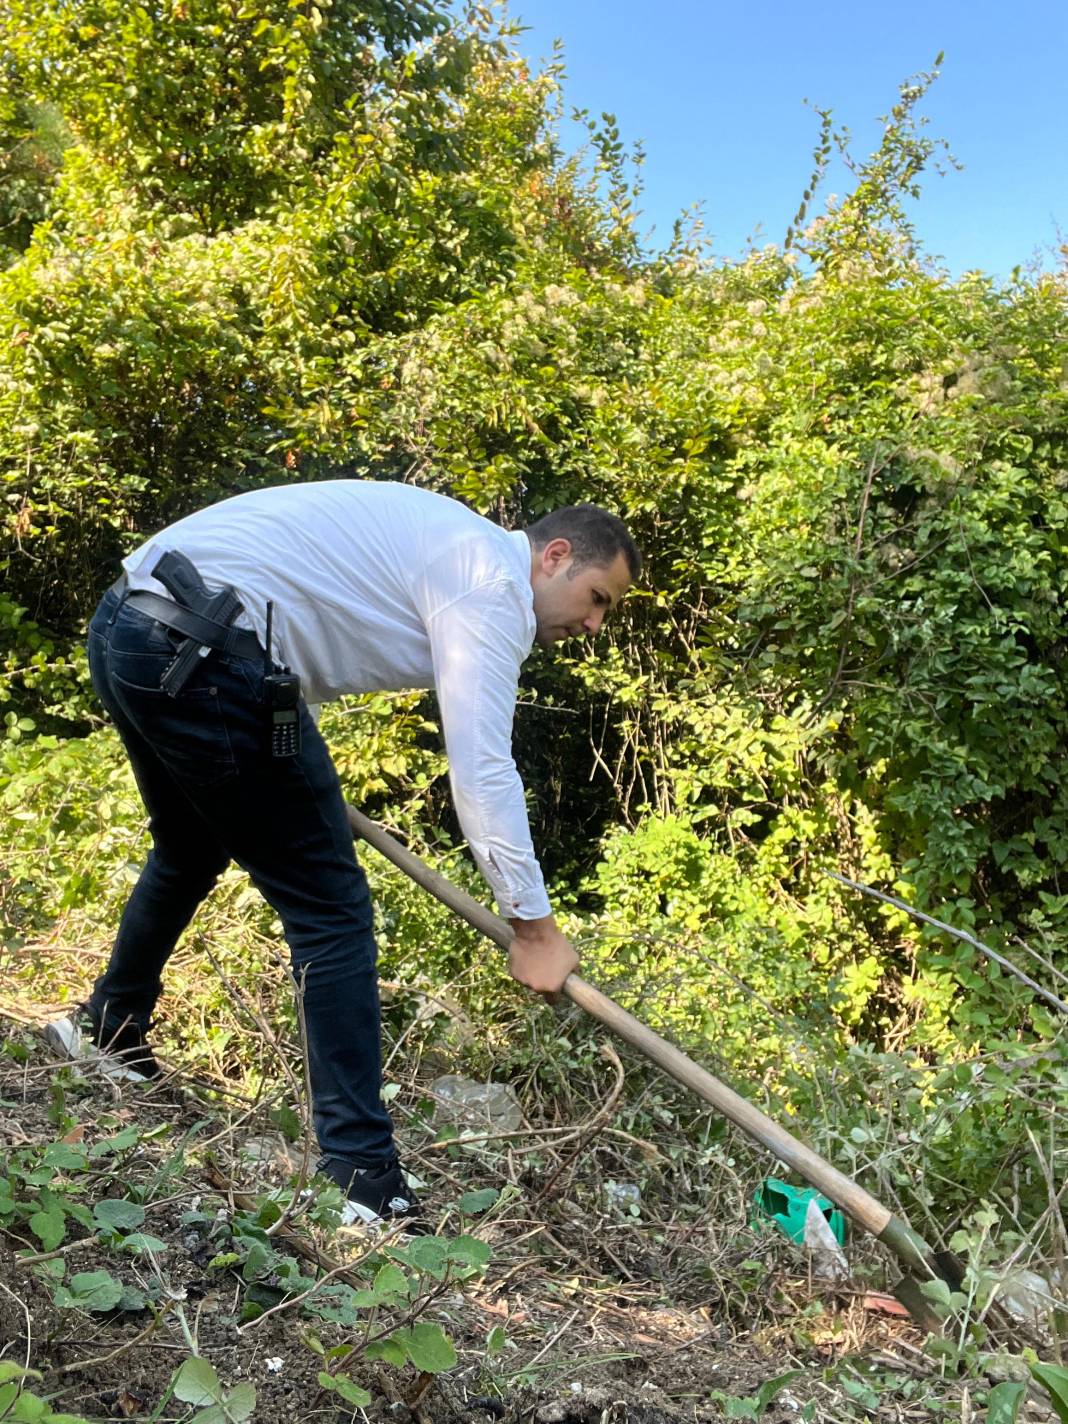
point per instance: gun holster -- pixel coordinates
(204, 619)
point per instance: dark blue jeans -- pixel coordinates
(214, 794)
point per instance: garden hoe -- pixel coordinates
(921, 1262)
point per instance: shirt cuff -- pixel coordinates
(527, 905)
(518, 888)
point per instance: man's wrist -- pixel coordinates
(532, 930)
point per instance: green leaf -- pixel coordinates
(427, 1253)
(940, 1295)
(49, 1227)
(1003, 1405)
(240, 1403)
(390, 1281)
(390, 1349)
(471, 1203)
(335, 1303)
(1054, 1380)
(349, 1391)
(10, 1371)
(128, 1137)
(737, 1408)
(427, 1346)
(29, 1408)
(263, 1295)
(860, 1390)
(257, 1261)
(79, 1212)
(90, 1290)
(117, 1214)
(196, 1382)
(771, 1388)
(214, 1414)
(138, 1241)
(469, 1251)
(64, 1155)
(289, 1275)
(285, 1118)
(268, 1213)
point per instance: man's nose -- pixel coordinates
(593, 622)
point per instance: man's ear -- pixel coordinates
(555, 553)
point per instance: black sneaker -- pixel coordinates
(377, 1196)
(119, 1051)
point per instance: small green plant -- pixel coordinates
(98, 1290)
(197, 1382)
(401, 1283)
(22, 1404)
(404, 1284)
(1007, 1398)
(116, 1220)
(346, 1387)
(865, 1390)
(39, 1185)
(497, 1342)
(40, 1189)
(1003, 1406)
(34, 1194)
(1054, 1380)
(752, 1406)
(402, 1279)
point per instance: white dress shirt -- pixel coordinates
(382, 586)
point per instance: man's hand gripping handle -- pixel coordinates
(540, 956)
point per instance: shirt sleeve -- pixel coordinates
(477, 644)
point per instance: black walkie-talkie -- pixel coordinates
(282, 691)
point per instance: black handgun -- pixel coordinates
(179, 577)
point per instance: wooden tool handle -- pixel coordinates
(860, 1205)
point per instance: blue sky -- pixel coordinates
(716, 93)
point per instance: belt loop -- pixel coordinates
(120, 588)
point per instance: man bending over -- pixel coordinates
(365, 586)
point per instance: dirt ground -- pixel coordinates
(599, 1321)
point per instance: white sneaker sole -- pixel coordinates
(65, 1036)
(356, 1214)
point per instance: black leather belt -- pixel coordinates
(240, 642)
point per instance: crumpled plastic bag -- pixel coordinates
(479, 1107)
(828, 1258)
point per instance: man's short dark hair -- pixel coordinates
(596, 537)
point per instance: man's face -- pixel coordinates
(570, 602)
